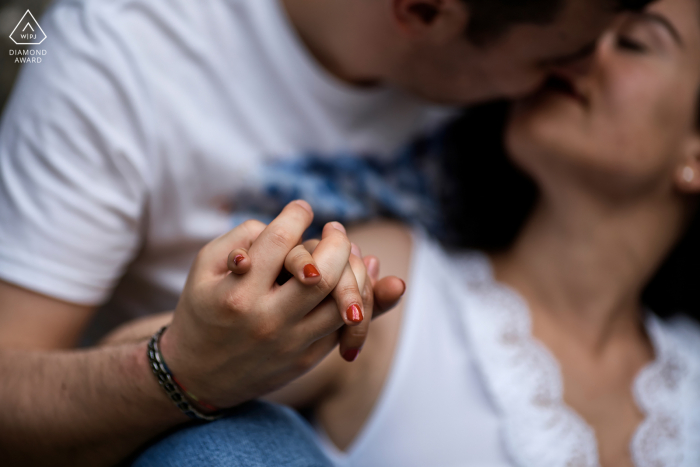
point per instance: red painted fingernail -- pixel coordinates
(350, 355)
(354, 314)
(311, 271)
(238, 259)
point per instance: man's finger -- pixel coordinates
(320, 349)
(321, 321)
(276, 241)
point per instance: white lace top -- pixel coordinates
(470, 386)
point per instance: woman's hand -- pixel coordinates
(360, 273)
(236, 336)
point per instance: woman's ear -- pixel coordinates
(688, 172)
(434, 20)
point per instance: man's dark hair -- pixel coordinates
(486, 201)
(492, 18)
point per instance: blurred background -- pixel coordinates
(11, 12)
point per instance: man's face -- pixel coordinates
(460, 72)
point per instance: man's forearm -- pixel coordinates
(137, 330)
(90, 407)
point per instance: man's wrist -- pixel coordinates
(160, 406)
(187, 403)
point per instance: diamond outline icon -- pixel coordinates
(21, 22)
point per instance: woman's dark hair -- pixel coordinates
(486, 200)
(491, 18)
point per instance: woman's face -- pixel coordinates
(626, 118)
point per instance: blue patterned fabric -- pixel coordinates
(350, 188)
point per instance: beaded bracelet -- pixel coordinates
(168, 382)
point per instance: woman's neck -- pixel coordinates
(583, 266)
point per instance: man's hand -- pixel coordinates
(237, 336)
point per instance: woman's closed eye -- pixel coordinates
(630, 44)
(647, 32)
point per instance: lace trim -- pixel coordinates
(525, 384)
(658, 389)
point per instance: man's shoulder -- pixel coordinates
(166, 7)
(143, 21)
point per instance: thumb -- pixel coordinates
(387, 293)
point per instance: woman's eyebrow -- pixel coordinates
(653, 17)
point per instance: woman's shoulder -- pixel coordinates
(668, 391)
(459, 265)
(681, 335)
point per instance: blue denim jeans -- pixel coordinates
(256, 435)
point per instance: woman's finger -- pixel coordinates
(214, 254)
(324, 319)
(311, 245)
(294, 299)
(347, 293)
(387, 294)
(239, 261)
(352, 339)
(301, 265)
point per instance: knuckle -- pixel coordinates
(325, 286)
(366, 296)
(253, 225)
(355, 336)
(342, 241)
(235, 302)
(266, 330)
(281, 237)
(298, 255)
(306, 362)
(338, 240)
(200, 258)
(347, 291)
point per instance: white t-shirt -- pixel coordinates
(470, 385)
(153, 126)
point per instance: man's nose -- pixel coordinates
(574, 68)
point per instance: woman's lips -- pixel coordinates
(562, 85)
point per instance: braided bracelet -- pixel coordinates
(168, 383)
